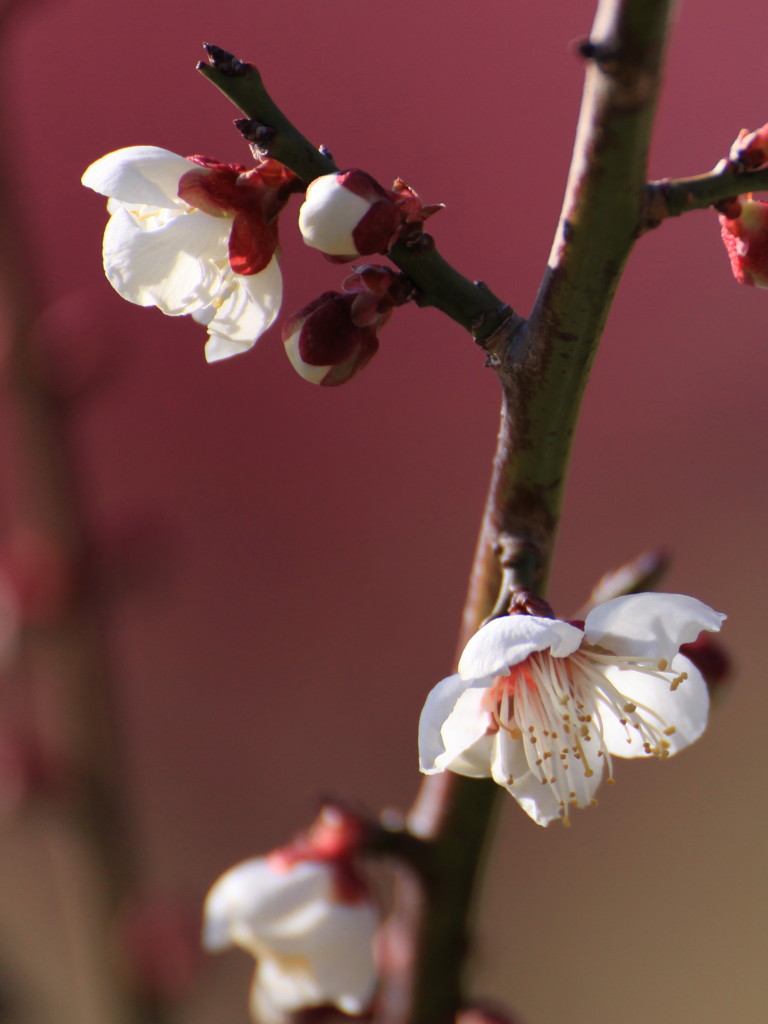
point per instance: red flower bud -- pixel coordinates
(323, 343)
(744, 229)
(333, 337)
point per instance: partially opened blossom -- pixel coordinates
(194, 236)
(335, 336)
(744, 230)
(349, 214)
(541, 705)
(305, 914)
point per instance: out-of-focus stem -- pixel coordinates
(70, 647)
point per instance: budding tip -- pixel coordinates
(224, 62)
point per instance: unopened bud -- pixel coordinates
(333, 337)
(750, 150)
(324, 344)
(349, 214)
(744, 230)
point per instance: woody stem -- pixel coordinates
(543, 367)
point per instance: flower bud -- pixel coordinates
(333, 337)
(750, 150)
(324, 344)
(348, 214)
(744, 230)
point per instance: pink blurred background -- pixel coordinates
(308, 548)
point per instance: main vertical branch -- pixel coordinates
(543, 367)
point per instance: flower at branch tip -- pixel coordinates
(744, 230)
(750, 150)
(194, 236)
(541, 705)
(305, 914)
(335, 335)
(349, 214)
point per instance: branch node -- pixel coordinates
(606, 57)
(258, 135)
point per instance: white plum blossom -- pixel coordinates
(310, 930)
(541, 705)
(194, 236)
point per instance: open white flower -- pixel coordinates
(540, 705)
(310, 932)
(193, 236)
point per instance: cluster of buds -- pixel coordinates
(332, 338)
(349, 214)
(195, 236)
(305, 913)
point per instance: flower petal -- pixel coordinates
(650, 625)
(339, 971)
(247, 306)
(680, 715)
(469, 743)
(252, 903)
(508, 762)
(509, 640)
(329, 215)
(438, 706)
(170, 266)
(139, 175)
(341, 961)
(536, 799)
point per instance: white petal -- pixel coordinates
(329, 215)
(450, 725)
(341, 960)
(247, 306)
(465, 733)
(680, 714)
(650, 625)
(171, 267)
(509, 640)
(282, 986)
(217, 348)
(536, 799)
(252, 903)
(508, 760)
(139, 174)
(339, 971)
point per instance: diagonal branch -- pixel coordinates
(469, 303)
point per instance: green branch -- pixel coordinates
(543, 367)
(467, 302)
(672, 197)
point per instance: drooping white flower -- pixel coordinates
(541, 705)
(305, 915)
(193, 236)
